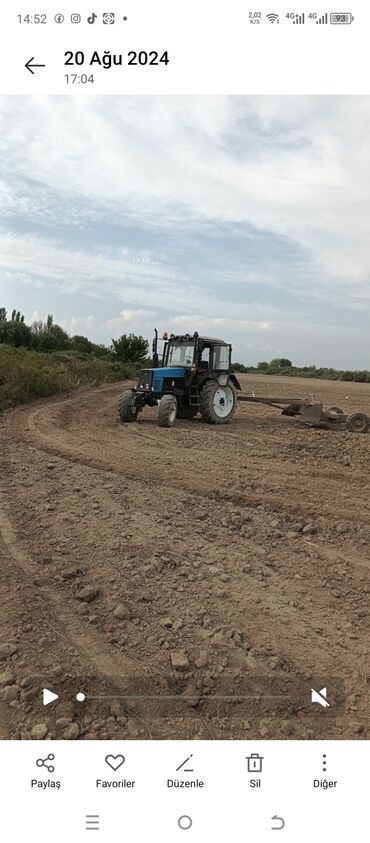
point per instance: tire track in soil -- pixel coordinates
(84, 422)
(96, 665)
(301, 501)
(69, 627)
(304, 507)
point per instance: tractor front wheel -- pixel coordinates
(217, 403)
(167, 411)
(126, 408)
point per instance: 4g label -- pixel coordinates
(108, 59)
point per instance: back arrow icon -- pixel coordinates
(30, 66)
(278, 820)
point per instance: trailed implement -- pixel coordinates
(313, 413)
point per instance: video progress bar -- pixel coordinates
(184, 696)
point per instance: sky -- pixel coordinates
(246, 218)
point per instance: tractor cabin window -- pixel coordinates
(180, 355)
(221, 358)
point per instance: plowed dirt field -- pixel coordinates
(193, 582)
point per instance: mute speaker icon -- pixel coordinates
(319, 697)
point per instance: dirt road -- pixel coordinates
(138, 564)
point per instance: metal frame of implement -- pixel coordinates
(313, 414)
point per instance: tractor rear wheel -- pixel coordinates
(167, 411)
(217, 403)
(186, 412)
(358, 423)
(126, 408)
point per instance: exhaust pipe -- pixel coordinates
(155, 359)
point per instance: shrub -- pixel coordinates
(27, 375)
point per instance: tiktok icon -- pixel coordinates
(92, 18)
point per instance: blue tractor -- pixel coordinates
(193, 376)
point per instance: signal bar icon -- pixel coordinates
(299, 18)
(323, 19)
(273, 18)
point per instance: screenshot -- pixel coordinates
(184, 422)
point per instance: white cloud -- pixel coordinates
(39, 260)
(290, 167)
(86, 326)
(293, 166)
(51, 266)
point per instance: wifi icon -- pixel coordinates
(272, 18)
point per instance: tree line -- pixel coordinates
(48, 337)
(283, 366)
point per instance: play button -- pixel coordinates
(48, 696)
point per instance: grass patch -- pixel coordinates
(27, 375)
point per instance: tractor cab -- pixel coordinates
(197, 353)
(190, 374)
(177, 353)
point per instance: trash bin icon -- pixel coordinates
(254, 762)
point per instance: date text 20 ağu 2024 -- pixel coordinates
(108, 59)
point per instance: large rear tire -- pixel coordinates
(167, 411)
(126, 409)
(217, 403)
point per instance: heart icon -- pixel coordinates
(115, 761)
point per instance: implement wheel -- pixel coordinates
(358, 423)
(217, 403)
(337, 410)
(167, 411)
(126, 408)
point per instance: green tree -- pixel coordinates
(2, 314)
(44, 341)
(15, 333)
(280, 363)
(99, 350)
(61, 336)
(239, 367)
(17, 316)
(81, 344)
(49, 337)
(130, 348)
